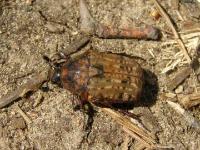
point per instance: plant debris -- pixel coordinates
(178, 78)
(32, 85)
(189, 100)
(90, 26)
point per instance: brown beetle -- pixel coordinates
(101, 78)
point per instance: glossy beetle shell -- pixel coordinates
(103, 78)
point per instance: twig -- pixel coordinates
(90, 26)
(177, 36)
(187, 116)
(188, 31)
(26, 118)
(32, 85)
(125, 144)
(171, 65)
(135, 136)
(179, 78)
(140, 146)
(38, 99)
(75, 45)
(140, 134)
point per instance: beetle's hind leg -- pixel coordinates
(88, 112)
(88, 109)
(88, 119)
(76, 103)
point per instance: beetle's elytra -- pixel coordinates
(103, 78)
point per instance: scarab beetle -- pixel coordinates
(101, 78)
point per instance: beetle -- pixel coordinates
(101, 78)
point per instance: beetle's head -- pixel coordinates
(54, 75)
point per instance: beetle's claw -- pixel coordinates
(76, 107)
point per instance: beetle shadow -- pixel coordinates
(150, 89)
(148, 95)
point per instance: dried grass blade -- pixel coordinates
(142, 135)
(177, 36)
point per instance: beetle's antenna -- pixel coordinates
(55, 61)
(47, 59)
(52, 65)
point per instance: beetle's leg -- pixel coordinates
(76, 103)
(88, 113)
(88, 109)
(81, 104)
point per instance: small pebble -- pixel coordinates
(179, 89)
(170, 95)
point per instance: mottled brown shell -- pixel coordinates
(103, 78)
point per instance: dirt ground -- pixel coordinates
(31, 29)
